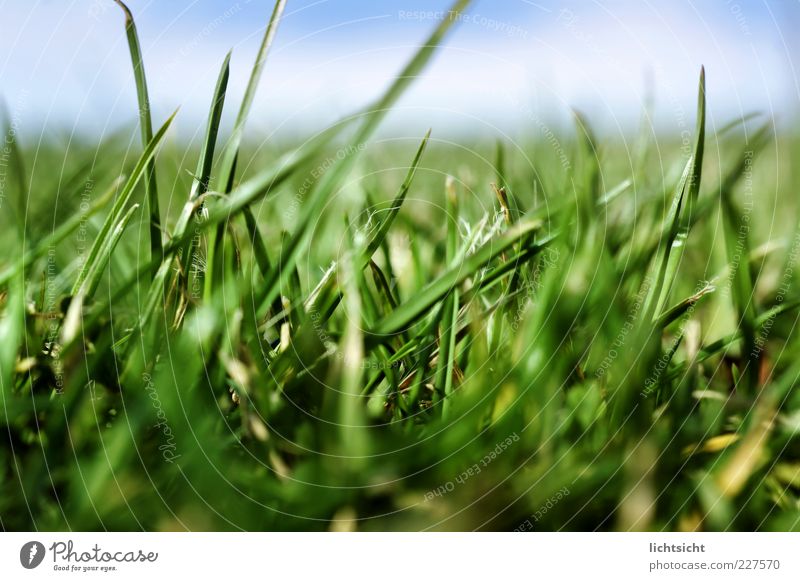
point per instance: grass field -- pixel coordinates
(355, 332)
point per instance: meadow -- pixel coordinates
(354, 332)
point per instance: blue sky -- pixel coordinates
(509, 63)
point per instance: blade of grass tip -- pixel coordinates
(753, 144)
(231, 149)
(397, 202)
(706, 205)
(612, 194)
(371, 119)
(502, 198)
(410, 311)
(206, 159)
(501, 172)
(679, 221)
(122, 199)
(500, 163)
(675, 312)
(693, 190)
(510, 214)
(230, 153)
(146, 126)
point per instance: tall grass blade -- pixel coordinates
(146, 127)
(679, 219)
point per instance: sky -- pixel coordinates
(508, 64)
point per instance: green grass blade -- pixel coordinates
(204, 165)
(146, 126)
(230, 154)
(383, 229)
(122, 200)
(351, 419)
(206, 159)
(412, 310)
(231, 150)
(266, 182)
(676, 311)
(679, 219)
(447, 336)
(382, 284)
(92, 278)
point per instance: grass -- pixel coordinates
(449, 344)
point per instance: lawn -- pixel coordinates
(350, 332)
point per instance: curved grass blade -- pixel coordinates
(230, 206)
(715, 348)
(378, 237)
(382, 284)
(72, 320)
(146, 126)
